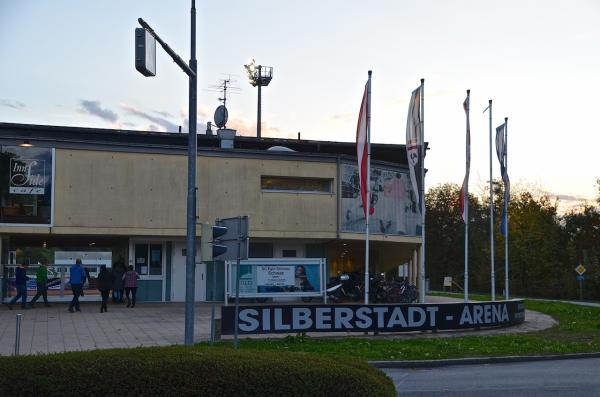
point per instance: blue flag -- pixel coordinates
(501, 152)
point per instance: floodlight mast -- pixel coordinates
(258, 76)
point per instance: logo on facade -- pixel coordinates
(27, 176)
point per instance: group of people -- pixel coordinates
(116, 281)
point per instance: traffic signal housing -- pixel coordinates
(210, 245)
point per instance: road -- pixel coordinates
(564, 378)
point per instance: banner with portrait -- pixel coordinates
(394, 203)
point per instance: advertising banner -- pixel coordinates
(26, 185)
(393, 202)
(277, 277)
(381, 318)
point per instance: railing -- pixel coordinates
(59, 288)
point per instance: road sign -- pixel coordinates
(580, 269)
(580, 277)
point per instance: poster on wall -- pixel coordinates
(392, 198)
(26, 185)
(278, 277)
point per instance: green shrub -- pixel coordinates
(182, 371)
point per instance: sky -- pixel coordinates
(71, 63)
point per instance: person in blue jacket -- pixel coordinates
(77, 279)
(21, 284)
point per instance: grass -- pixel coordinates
(578, 331)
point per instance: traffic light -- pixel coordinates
(210, 247)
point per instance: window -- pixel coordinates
(288, 253)
(295, 184)
(148, 259)
(261, 250)
(25, 185)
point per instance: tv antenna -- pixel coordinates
(226, 86)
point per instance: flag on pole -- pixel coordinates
(501, 152)
(414, 146)
(362, 149)
(464, 190)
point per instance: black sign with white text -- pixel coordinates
(382, 318)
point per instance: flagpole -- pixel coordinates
(422, 154)
(368, 201)
(466, 199)
(506, 200)
(492, 271)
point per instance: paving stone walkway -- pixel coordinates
(54, 329)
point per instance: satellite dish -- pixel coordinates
(221, 116)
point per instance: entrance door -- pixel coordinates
(178, 275)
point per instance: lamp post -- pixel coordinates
(258, 76)
(146, 64)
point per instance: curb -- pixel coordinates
(478, 360)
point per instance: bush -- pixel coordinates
(184, 371)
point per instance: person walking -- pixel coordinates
(77, 279)
(130, 282)
(41, 280)
(21, 284)
(105, 283)
(117, 288)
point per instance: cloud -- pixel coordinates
(95, 109)
(163, 122)
(12, 104)
(247, 128)
(153, 127)
(164, 114)
(568, 197)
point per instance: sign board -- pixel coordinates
(448, 281)
(580, 277)
(237, 231)
(294, 277)
(145, 52)
(27, 176)
(361, 318)
(580, 269)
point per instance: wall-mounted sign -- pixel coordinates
(392, 199)
(361, 318)
(27, 176)
(26, 185)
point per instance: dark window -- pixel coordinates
(141, 258)
(156, 259)
(25, 185)
(148, 259)
(293, 184)
(261, 250)
(288, 253)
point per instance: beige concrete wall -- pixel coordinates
(114, 192)
(231, 186)
(98, 192)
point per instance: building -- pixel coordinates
(118, 198)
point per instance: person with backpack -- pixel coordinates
(77, 277)
(105, 283)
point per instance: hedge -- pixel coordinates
(189, 371)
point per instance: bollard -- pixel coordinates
(18, 335)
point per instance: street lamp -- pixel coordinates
(258, 76)
(146, 64)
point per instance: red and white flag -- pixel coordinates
(464, 190)
(362, 148)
